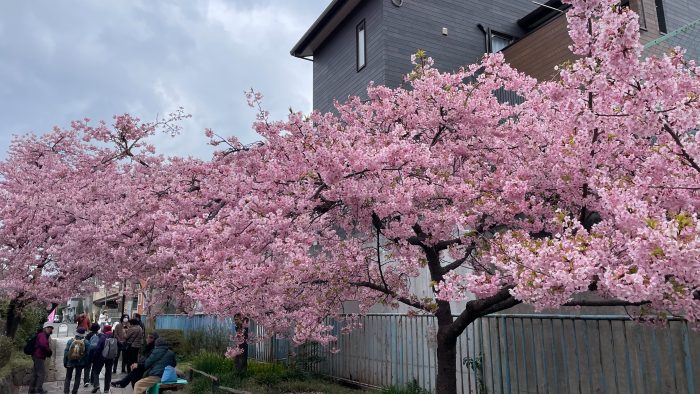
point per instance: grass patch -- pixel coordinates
(261, 378)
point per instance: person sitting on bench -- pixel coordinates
(154, 366)
(137, 369)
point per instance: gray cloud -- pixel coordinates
(85, 58)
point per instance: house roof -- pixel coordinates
(323, 27)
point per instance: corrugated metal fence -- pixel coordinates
(502, 353)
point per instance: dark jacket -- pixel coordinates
(85, 360)
(160, 358)
(147, 350)
(134, 336)
(41, 349)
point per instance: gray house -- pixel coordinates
(354, 42)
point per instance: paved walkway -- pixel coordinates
(56, 373)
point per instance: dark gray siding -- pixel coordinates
(418, 25)
(335, 72)
(678, 14)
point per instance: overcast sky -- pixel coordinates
(67, 60)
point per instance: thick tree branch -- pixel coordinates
(481, 307)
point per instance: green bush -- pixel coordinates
(213, 364)
(6, 347)
(176, 340)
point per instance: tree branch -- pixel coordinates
(678, 142)
(458, 263)
(382, 289)
(481, 307)
(605, 303)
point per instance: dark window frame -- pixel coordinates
(504, 36)
(360, 27)
(661, 16)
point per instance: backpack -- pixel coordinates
(77, 349)
(111, 349)
(30, 346)
(94, 341)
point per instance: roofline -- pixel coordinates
(325, 24)
(542, 14)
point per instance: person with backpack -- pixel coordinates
(75, 358)
(93, 338)
(38, 347)
(105, 353)
(154, 365)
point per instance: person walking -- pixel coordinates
(41, 352)
(83, 321)
(120, 335)
(134, 340)
(105, 353)
(75, 358)
(87, 376)
(137, 369)
(154, 366)
(103, 319)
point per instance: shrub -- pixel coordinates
(176, 340)
(213, 364)
(6, 347)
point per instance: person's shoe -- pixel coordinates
(95, 389)
(105, 392)
(86, 384)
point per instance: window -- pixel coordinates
(661, 16)
(499, 41)
(361, 38)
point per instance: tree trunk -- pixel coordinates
(241, 360)
(14, 315)
(446, 381)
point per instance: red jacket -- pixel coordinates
(41, 350)
(84, 322)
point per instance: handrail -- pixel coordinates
(215, 383)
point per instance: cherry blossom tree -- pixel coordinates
(586, 193)
(80, 209)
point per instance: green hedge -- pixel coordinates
(176, 340)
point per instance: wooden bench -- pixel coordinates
(174, 386)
